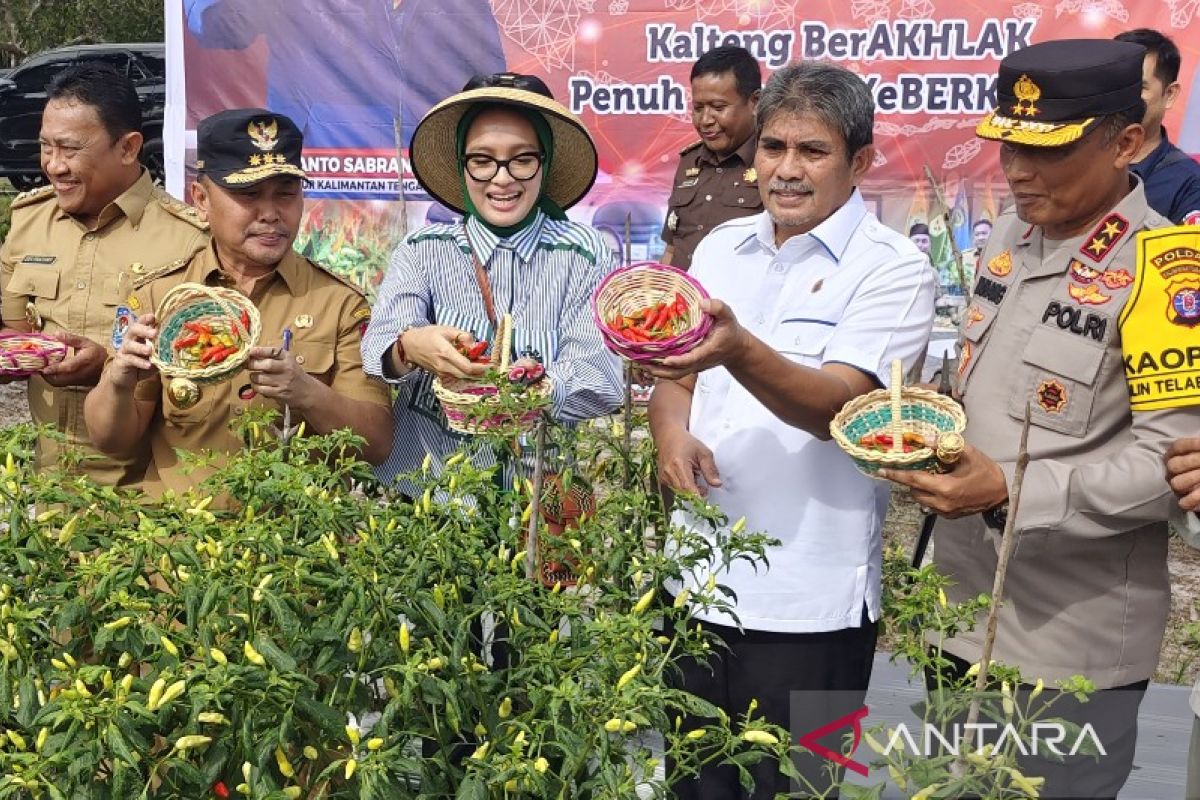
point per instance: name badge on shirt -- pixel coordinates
(688, 183)
(39, 259)
(121, 323)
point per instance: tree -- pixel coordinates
(30, 26)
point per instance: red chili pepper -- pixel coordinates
(245, 320)
(660, 317)
(217, 354)
(636, 333)
(198, 327)
(221, 790)
(477, 350)
(680, 304)
(187, 341)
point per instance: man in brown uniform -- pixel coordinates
(76, 246)
(715, 180)
(1087, 588)
(250, 191)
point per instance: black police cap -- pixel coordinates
(244, 146)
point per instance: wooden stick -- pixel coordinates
(1008, 543)
(535, 516)
(627, 432)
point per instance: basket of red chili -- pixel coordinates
(205, 332)
(648, 311)
(24, 354)
(902, 427)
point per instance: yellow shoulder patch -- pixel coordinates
(38, 195)
(180, 210)
(339, 278)
(167, 269)
(691, 147)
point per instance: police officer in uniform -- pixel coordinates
(77, 245)
(715, 180)
(1087, 590)
(250, 190)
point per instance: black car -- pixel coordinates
(23, 96)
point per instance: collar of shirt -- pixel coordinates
(833, 233)
(130, 203)
(1144, 167)
(744, 154)
(524, 242)
(288, 270)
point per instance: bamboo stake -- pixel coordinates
(1008, 543)
(535, 516)
(627, 431)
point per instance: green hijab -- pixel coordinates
(545, 140)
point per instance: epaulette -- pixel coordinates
(142, 280)
(339, 278)
(691, 147)
(32, 196)
(181, 211)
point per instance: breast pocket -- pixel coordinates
(316, 357)
(1058, 379)
(803, 340)
(114, 290)
(742, 197)
(39, 281)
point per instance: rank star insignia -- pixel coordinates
(750, 175)
(1028, 93)
(255, 160)
(1052, 396)
(1105, 237)
(672, 220)
(1001, 264)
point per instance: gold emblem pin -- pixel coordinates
(264, 134)
(672, 220)
(33, 316)
(304, 321)
(1028, 93)
(750, 175)
(691, 172)
(183, 393)
(133, 302)
(136, 268)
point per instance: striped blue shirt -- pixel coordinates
(543, 276)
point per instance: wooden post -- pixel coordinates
(535, 516)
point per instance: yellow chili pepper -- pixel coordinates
(644, 601)
(353, 735)
(169, 646)
(355, 643)
(505, 709)
(351, 767)
(156, 693)
(541, 765)
(188, 742)
(615, 725)
(760, 737)
(627, 676)
(173, 691)
(405, 638)
(695, 735)
(374, 743)
(310, 752)
(281, 761)
(118, 623)
(738, 526)
(218, 656)
(252, 655)
(212, 718)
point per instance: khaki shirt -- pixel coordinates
(708, 191)
(72, 278)
(1087, 589)
(327, 317)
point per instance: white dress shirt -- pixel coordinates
(850, 291)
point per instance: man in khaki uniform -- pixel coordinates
(250, 192)
(76, 246)
(715, 181)
(1087, 588)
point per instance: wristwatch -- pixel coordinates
(408, 365)
(996, 517)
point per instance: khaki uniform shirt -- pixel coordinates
(62, 276)
(327, 317)
(708, 191)
(1087, 588)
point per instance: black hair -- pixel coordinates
(835, 95)
(102, 87)
(513, 80)
(1113, 124)
(919, 227)
(1166, 54)
(983, 220)
(731, 58)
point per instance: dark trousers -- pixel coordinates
(1112, 713)
(802, 681)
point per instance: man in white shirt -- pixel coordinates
(813, 299)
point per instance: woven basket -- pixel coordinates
(465, 402)
(218, 308)
(25, 354)
(896, 411)
(629, 289)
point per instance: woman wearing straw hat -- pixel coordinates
(510, 159)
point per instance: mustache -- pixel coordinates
(790, 186)
(268, 232)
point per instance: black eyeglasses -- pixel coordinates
(522, 166)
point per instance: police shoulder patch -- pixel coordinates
(38, 195)
(166, 269)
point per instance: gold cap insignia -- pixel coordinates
(263, 133)
(33, 316)
(750, 175)
(183, 393)
(304, 321)
(1027, 93)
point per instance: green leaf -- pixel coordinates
(116, 743)
(330, 721)
(270, 651)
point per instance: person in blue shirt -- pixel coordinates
(1171, 176)
(345, 70)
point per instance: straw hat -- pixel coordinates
(435, 161)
